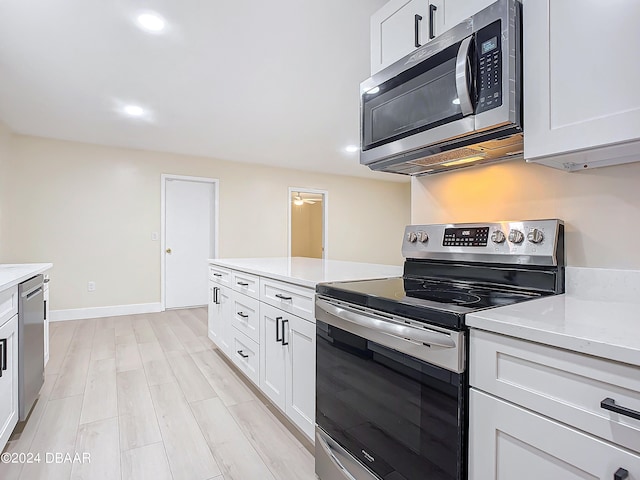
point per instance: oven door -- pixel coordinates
(380, 412)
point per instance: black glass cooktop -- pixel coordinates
(433, 301)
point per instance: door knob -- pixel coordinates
(168, 250)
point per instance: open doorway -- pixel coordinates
(307, 222)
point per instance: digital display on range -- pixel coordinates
(465, 237)
(489, 45)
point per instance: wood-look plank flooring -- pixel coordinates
(150, 397)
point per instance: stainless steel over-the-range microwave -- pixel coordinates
(453, 103)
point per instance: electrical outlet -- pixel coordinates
(154, 236)
(91, 286)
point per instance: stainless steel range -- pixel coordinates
(391, 381)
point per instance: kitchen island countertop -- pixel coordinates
(308, 272)
(13, 274)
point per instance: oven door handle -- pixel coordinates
(405, 332)
(462, 77)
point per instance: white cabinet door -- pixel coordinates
(9, 379)
(508, 442)
(459, 10)
(220, 316)
(300, 338)
(394, 28)
(580, 75)
(273, 355)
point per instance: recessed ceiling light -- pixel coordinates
(133, 110)
(151, 22)
(351, 148)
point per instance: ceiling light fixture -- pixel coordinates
(133, 110)
(351, 148)
(151, 22)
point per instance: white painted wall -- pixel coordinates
(5, 138)
(91, 211)
(600, 207)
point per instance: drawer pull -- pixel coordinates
(242, 354)
(243, 315)
(243, 284)
(621, 474)
(217, 274)
(282, 297)
(610, 404)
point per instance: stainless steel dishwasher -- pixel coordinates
(30, 343)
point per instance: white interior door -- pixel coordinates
(189, 241)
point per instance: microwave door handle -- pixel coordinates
(462, 77)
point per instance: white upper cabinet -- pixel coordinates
(581, 76)
(459, 10)
(402, 26)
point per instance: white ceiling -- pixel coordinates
(272, 82)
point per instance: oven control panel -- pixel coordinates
(465, 237)
(531, 242)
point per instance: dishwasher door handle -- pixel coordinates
(32, 291)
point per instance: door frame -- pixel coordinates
(163, 205)
(325, 218)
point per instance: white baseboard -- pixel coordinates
(99, 312)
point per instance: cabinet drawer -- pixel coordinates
(246, 283)
(563, 385)
(507, 442)
(245, 315)
(8, 304)
(220, 275)
(288, 297)
(245, 353)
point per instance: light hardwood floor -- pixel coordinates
(149, 397)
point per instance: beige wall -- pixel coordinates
(5, 138)
(306, 230)
(91, 211)
(600, 207)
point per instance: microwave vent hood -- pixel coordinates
(453, 103)
(453, 156)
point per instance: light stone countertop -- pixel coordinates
(308, 272)
(13, 274)
(599, 315)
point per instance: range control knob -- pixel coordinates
(498, 236)
(516, 236)
(412, 237)
(535, 236)
(423, 237)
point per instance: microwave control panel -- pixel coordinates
(489, 53)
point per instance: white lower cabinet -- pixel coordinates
(220, 309)
(287, 365)
(510, 442)
(254, 325)
(538, 412)
(8, 378)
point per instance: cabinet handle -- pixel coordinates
(217, 274)
(217, 295)
(3, 344)
(242, 354)
(243, 315)
(416, 28)
(621, 474)
(283, 342)
(610, 404)
(243, 284)
(432, 14)
(282, 297)
(278, 339)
